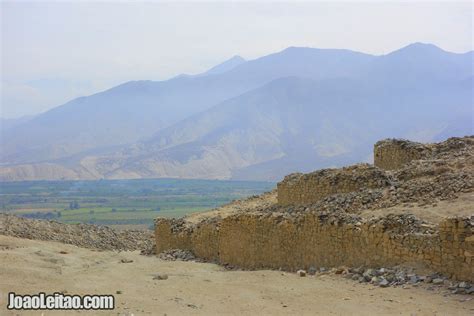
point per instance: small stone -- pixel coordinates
(118, 292)
(301, 273)
(458, 291)
(339, 270)
(368, 274)
(356, 270)
(160, 277)
(312, 270)
(126, 261)
(414, 279)
(383, 283)
(470, 290)
(463, 285)
(390, 277)
(438, 281)
(401, 277)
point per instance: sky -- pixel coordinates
(52, 52)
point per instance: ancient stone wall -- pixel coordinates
(256, 241)
(309, 188)
(305, 228)
(392, 154)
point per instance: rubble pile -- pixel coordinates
(82, 235)
(177, 254)
(396, 277)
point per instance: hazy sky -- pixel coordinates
(52, 52)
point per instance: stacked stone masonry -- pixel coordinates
(324, 234)
(308, 188)
(392, 154)
(254, 241)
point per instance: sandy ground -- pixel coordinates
(29, 267)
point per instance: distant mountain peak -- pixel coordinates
(226, 65)
(237, 58)
(295, 49)
(418, 48)
(421, 45)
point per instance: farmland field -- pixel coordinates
(130, 203)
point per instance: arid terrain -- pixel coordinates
(192, 288)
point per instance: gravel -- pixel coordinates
(177, 254)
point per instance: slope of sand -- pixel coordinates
(28, 267)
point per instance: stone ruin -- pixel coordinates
(394, 160)
(307, 228)
(309, 188)
(259, 241)
(392, 154)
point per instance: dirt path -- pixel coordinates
(28, 266)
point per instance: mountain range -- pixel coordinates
(296, 110)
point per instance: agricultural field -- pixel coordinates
(121, 203)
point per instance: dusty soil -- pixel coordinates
(29, 266)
